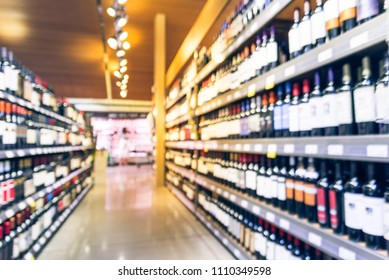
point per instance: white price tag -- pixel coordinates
(359, 40)
(236, 94)
(335, 150)
(22, 205)
(311, 149)
(270, 82)
(256, 210)
(232, 197)
(270, 217)
(237, 253)
(20, 153)
(238, 147)
(284, 224)
(225, 241)
(325, 55)
(33, 151)
(219, 191)
(314, 239)
(226, 147)
(9, 213)
(290, 71)
(289, 148)
(246, 147)
(244, 203)
(213, 188)
(380, 151)
(346, 254)
(216, 232)
(226, 194)
(9, 154)
(258, 147)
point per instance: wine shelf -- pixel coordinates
(185, 145)
(29, 105)
(187, 173)
(334, 245)
(179, 120)
(182, 93)
(233, 246)
(360, 38)
(11, 211)
(181, 197)
(20, 153)
(46, 236)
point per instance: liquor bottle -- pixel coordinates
(289, 183)
(308, 253)
(3, 123)
(345, 103)
(296, 251)
(264, 49)
(305, 29)
(244, 125)
(11, 74)
(381, 96)
(242, 167)
(318, 24)
(323, 184)
(289, 246)
(270, 115)
(331, 12)
(271, 243)
(251, 176)
(272, 53)
(258, 56)
(294, 36)
(316, 104)
(274, 183)
(353, 207)
(2, 66)
(277, 113)
(261, 240)
(329, 103)
(364, 103)
(299, 187)
(294, 126)
(305, 111)
(280, 252)
(254, 117)
(281, 183)
(336, 199)
(1, 243)
(263, 116)
(367, 9)
(261, 179)
(285, 109)
(373, 204)
(266, 234)
(269, 183)
(310, 191)
(348, 14)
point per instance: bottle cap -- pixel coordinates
(307, 7)
(317, 79)
(296, 90)
(366, 66)
(306, 86)
(330, 75)
(272, 97)
(296, 14)
(272, 31)
(346, 73)
(288, 88)
(265, 100)
(280, 92)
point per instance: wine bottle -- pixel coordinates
(364, 104)
(347, 14)
(367, 9)
(251, 177)
(294, 36)
(299, 187)
(323, 184)
(260, 241)
(336, 199)
(271, 243)
(254, 117)
(294, 119)
(329, 104)
(2, 257)
(305, 29)
(289, 246)
(331, 12)
(274, 183)
(316, 104)
(263, 54)
(272, 57)
(281, 183)
(263, 116)
(305, 112)
(308, 253)
(310, 191)
(266, 234)
(289, 183)
(261, 179)
(382, 97)
(345, 104)
(373, 204)
(277, 113)
(285, 109)
(353, 207)
(280, 252)
(270, 115)
(244, 124)
(269, 183)
(318, 24)
(296, 251)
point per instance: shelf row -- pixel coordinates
(51, 230)
(16, 208)
(26, 104)
(177, 121)
(361, 148)
(20, 153)
(360, 38)
(328, 242)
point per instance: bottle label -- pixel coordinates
(367, 9)
(364, 104)
(241, 179)
(285, 116)
(382, 101)
(277, 119)
(29, 188)
(305, 117)
(373, 215)
(305, 33)
(347, 9)
(316, 105)
(244, 127)
(11, 78)
(2, 81)
(344, 110)
(9, 136)
(294, 125)
(309, 194)
(318, 26)
(353, 210)
(270, 250)
(2, 127)
(268, 190)
(289, 189)
(272, 52)
(262, 57)
(321, 206)
(281, 189)
(329, 110)
(50, 178)
(260, 185)
(334, 220)
(331, 14)
(251, 180)
(262, 245)
(273, 189)
(299, 191)
(294, 40)
(31, 136)
(254, 123)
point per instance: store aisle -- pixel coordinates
(129, 218)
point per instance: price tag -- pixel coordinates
(251, 90)
(20, 153)
(226, 194)
(335, 150)
(324, 55)
(314, 239)
(246, 147)
(380, 151)
(219, 191)
(270, 82)
(237, 253)
(225, 241)
(232, 197)
(229, 98)
(37, 247)
(22, 205)
(272, 151)
(346, 254)
(32, 151)
(213, 188)
(238, 147)
(284, 224)
(258, 147)
(216, 232)
(256, 210)
(270, 217)
(289, 148)
(9, 213)
(290, 71)
(9, 154)
(226, 147)
(236, 94)
(311, 149)
(244, 203)
(359, 40)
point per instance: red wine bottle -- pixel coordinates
(280, 252)
(316, 104)
(261, 179)
(336, 199)
(260, 241)
(329, 100)
(294, 127)
(263, 116)
(323, 184)
(285, 109)
(251, 176)
(305, 112)
(269, 185)
(270, 115)
(289, 246)
(272, 51)
(345, 114)
(277, 113)
(347, 14)
(308, 253)
(299, 187)
(289, 183)
(310, 191)
(271, 243)
(296, 251)
(274, 180)
(294, 36)
(386, 212)
(1, 243)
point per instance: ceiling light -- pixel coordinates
(123, 35)
(122, 2)
(111, 12)
(118, 83)
(122, 20)
(120, 53)
(123, 87)
(113, 43)
(126, 45)
(126, 77)
(124, 82)
(117, 74)
(123, 63)
(123, 69)
(123, 93)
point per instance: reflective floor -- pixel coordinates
(129, 218)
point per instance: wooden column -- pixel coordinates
(159, 86)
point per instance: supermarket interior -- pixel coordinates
(194, 130)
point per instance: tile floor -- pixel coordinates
(129, 218)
